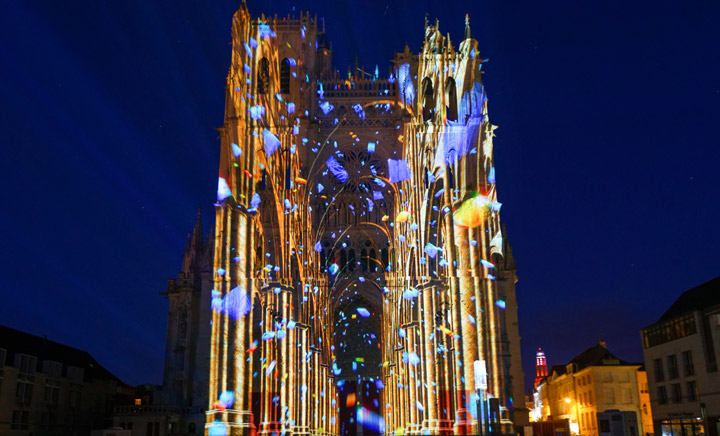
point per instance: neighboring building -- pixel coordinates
(178, 407)
(681, 351)
(47, 388)
(594, 381)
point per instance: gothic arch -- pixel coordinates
(452, 108)
(285, 76)
(428, 102)
(263, 76)
(343, 259)
(351, 260)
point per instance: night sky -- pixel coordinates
(607, 156)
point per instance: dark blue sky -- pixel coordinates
(607, 156)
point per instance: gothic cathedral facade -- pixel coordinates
(362, 283)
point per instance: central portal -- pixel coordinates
(358, 368)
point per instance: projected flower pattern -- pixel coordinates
(362, 168)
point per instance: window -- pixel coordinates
(672, 367)
(75, 374)
(19, 420)
(627, 396)
(677, 393)
(75, 395)
(662, 395)
(428, 103)
(692, 391)
(52, 369)
(609, 396)
(670, 330)
(352, 263)
(343, 259)
(688, 367)
(52, 392)
(47, 420)
(659, 374)
(451, 111)
(604, 426)
(26, 379)
(263, 79)
(285, 76)
(26, 364)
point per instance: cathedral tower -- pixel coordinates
(187, 349)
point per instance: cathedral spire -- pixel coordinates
(197, 237)
(467, 27)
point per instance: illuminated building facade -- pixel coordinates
(361, 277)
(593, 382)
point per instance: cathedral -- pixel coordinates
(359, 280)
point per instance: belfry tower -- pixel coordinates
(541, 370)
(360, 277)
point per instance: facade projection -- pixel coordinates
(361, 277)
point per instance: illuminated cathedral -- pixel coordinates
(362, 281)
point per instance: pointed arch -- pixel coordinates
(285, 76)
(351, 260)
(452, 108)
(428, 100)
(263, 76)
(343, 259)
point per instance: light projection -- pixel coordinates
(358, 242)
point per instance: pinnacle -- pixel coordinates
(468, 35)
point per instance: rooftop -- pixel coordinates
(597, 355)
(698, 298)
(19, 342)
